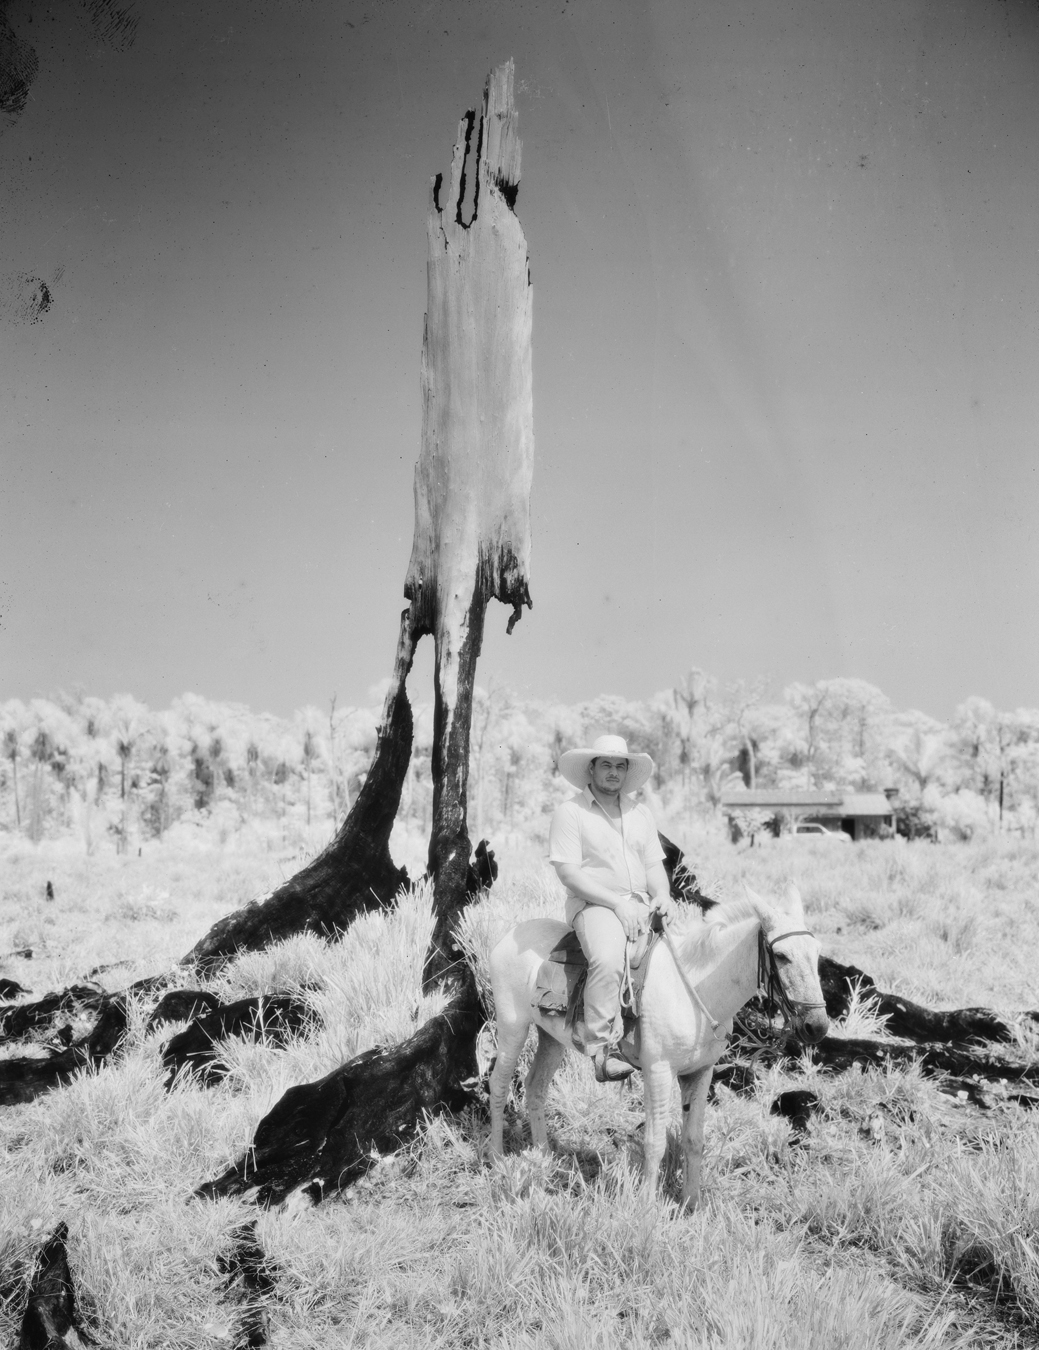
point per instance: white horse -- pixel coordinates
(687, 1009)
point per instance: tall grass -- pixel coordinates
(919, 1232)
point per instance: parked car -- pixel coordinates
(809, 830)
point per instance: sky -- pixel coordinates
(785, 258)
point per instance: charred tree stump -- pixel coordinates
(797, 1105)
(682, 880)
(321, 1136)
(270, 1018)
(50, 1321)
(471, 545)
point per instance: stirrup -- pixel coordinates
(609, 1067)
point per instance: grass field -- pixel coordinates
(925, 1233)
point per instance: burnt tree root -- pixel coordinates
(960, 1026)
(839, 1055)
(959, 1069)
(271, 1019)
(250, 1284)
(20, 1019)
(23, 1080)
(320, 1137)
(181, 1005)
(51, 1321)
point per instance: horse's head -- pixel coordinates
(790, 965)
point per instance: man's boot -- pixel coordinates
(609, 1067)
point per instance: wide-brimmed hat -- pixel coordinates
(575, 765)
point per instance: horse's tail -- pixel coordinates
(507, 971)
(514, 964)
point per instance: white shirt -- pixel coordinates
(615, 853)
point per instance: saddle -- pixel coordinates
(562, 976)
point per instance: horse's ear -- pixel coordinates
(793, 899)
(754, 898)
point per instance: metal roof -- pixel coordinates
(823, 803)
(780, 797)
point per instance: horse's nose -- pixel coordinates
(815, 1026)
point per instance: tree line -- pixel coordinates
(114, 771)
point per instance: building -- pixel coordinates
(862, 815)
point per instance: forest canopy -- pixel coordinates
(117, 774)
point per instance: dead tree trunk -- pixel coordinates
(471, 545)
(472, 482)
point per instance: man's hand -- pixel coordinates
(665, 907)
(633, 918)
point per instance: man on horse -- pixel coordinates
(607, 854)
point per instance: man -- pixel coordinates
(607, 854)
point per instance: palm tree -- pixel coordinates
(129, 720)
(13, 721)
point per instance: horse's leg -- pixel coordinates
(547, 1060)
(511, 1039)
(656, 1091)
(694, 1088)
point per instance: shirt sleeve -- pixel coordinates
(564, 835)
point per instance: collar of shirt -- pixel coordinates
(626, 804)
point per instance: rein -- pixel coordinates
(768, 977)
(690, 988)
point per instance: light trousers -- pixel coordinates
(602, 940)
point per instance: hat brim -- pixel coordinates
(575, 767)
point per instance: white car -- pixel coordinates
(809, 830)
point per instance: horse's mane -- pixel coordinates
(698, 936)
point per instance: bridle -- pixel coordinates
(769, 981)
